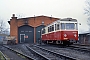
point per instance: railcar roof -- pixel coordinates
(68, 19)
(65, 19)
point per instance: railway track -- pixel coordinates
(48, 54)
(26, 57)
(78, 55)
(22, 48)
(80, 48)
(43, 52)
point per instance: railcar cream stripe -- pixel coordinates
(59, 30)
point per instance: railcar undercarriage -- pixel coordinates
(63, 42)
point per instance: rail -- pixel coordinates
(5, 58)
(80, 48)
(30, 58)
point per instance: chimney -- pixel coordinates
(13, 15)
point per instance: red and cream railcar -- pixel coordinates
(63, 31)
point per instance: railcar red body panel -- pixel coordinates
(61, 35)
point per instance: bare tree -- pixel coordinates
(3, 29)
(87, 12)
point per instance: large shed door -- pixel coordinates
(26, 34)
(38, 32)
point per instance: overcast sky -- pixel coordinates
(56, 8)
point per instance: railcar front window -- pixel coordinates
(70, 26)
(62, 26)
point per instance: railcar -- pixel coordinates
(63, 31)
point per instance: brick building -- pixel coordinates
(28, 29)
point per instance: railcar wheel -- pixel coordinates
(46, 42)
(57, 42)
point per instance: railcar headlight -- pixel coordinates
(65, 35)
(75, 35)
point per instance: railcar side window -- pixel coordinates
(52, 27)
(43, 31)
(62, 26)
(48, 29)
(57, 26)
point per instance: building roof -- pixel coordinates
(35, 17)
(38, 16)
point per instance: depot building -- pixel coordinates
(28, 30)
